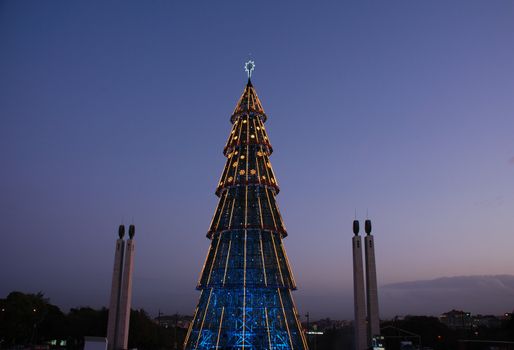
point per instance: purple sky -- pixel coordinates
(119, 111)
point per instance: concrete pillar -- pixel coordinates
(112, 323)
(358, 295)
(371, 285)
(126, 293)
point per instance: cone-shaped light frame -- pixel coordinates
(246, 281)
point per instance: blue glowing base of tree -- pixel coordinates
(253, 318)
(246, 281)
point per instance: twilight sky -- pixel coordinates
(119, 111)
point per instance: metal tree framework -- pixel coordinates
(246, 280)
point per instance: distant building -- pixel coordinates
(457, 319)
(508, 316)
(326, 324)
(169, 321)
(488, 321)
(396, 338)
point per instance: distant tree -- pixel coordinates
(433, 333)
(29, 318)
(332, 339)
(146, 334)
(506, 331)
(86, 321)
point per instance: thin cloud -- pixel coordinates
(477, 294)
(491, 203)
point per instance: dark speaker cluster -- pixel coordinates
(121, 231)
(356, 227)
(367, 226)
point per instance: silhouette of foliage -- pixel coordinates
(24, 318)
(31, 319)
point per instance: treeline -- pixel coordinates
(425, 332)
(435, 335)
(32, 319)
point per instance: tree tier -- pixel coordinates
(249, 206)
(248, 103)
(251, 257)
(246, 318)
(248, 165)
(235, 147)
(242, 113)
(247, 130)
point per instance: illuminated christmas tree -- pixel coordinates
(246, 280)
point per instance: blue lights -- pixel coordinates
(246, 280)
(266, 320)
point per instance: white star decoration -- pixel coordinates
(249, 67)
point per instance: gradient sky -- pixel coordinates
(118, 112)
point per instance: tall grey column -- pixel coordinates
(112, 323)
(371, 284)
(126, 292)
(358, 291)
